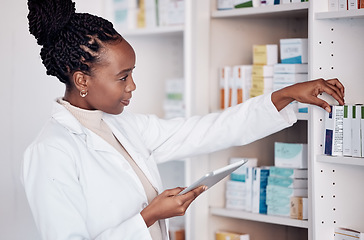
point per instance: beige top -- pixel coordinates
(92, 119)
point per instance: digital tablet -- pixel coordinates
(211, 178)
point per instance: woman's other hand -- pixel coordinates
(169, 204)
(307, 92)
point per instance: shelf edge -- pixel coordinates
(223, 212)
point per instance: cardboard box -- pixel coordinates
(230, 236)
(265, 54)
(224, 78)
(290, 68)
(290, 155)
(242, 75)
(334, 131)
(356, 136)
(279, 191)
(348, 114)
(260, 181)
(299, 208)
(288, 182)
(288, 172)
(294, 50)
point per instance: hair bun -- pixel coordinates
(48, 17)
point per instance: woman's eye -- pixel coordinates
(124, 78)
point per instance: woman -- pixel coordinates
(92, 173)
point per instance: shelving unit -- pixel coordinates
(336, 51)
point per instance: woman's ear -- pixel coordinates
(80, 80)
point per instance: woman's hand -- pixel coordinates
(307, 92)
(169, 204)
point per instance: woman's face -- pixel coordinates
(111, 84)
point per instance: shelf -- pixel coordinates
(223, 212)
(158, 31)
(341, 160)
(283, 10)
(340, 14)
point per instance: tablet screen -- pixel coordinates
(214, 177)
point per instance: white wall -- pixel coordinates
(26, 95)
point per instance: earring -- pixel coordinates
(83, 93)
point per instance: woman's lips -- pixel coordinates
(125, 102)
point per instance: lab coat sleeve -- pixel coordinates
(238, 125)
(55, 196)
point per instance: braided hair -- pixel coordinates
(70, 41)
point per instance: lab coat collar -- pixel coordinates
(93, 141)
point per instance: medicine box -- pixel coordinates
(356, 136)
(347, 234)
(242, 75)
(299, 208)
(279, 191)
(288, 182)
(224, 78)
(290, 77)
(334, 131)
(294, 50)
(265, 54)
(348, 114)
(283, 211)
(260, 181)
(290, 68)
(343, 5)
(262, 70)
(249, 188)
(243, 3)
(290, 155)
(288, 172)
(239, 174)
(333, 5)
(220, 235)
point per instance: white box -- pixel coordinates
(353, 4)
(343, 5)
(290, 155)
(290, 68)
(348, 114)
(242, 75)
(294, 50)
(334, 131)
(356, 136)
(261, 83)
(333, 5)
(249, 189)
(225, 4)
(290, 77)
(235, 190)
(265, 54)
(346, 234)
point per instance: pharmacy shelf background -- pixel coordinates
(210, 39)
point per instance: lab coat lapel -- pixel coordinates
(131, 147)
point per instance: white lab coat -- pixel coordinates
(79, 187)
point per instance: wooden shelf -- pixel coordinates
(223, 212)
(283, 10)
(340, 14)
(158, 31)
(341, 160)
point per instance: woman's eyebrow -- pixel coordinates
(125, 71)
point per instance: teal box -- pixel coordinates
(290, 155)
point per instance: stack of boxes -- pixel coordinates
(287, 188)
(264, 57)
(344, 131)
(236, 193)
(293, 67)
